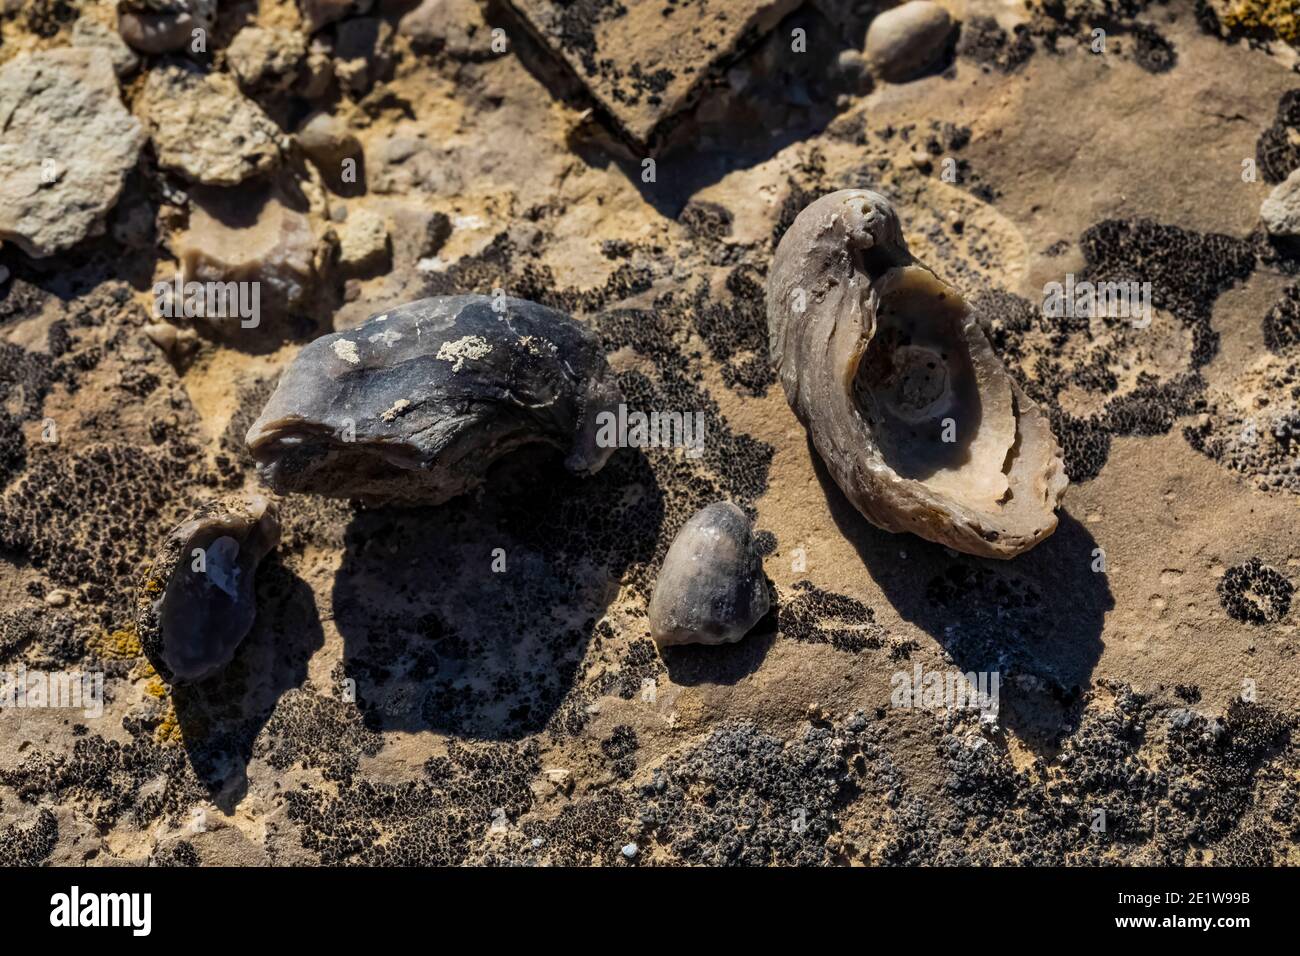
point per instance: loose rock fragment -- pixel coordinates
(912, 411)
(250, 236)
(333, 149)
(92, 35)
(363, 243)
(904, 42)
(66, 146)
(638, 70)
(196, 602)
(318, 13)
(204, 128)
(711, 588)
(476, 383)
(266, 60)
(454, 27)
(162, 26)
(362, 53)
(1281, 210)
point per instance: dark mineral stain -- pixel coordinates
(1255, 593)
(1276, 152)
(1187, 271)
(1282, 323)
(436, 820)
(816, 616)
(986, 43)
(89, 518)
(31, 845)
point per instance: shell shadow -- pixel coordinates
(1036, 620)
(473, 618)
(690, 665)
(221, 717)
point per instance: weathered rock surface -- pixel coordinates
(93, 35)
(266, 60)
(711, 588)
(363, 242)
(904, 42)
(204, 128)
(250, 235)
(335, 152)
(196, 602)
(453, 27)
(66, 147)
(1281, 210)
(640, 72)
(415, 404)
(319, 13)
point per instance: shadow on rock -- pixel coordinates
(473, 618)
(1035, 620)
(221, 717)
(693, 664)
(772, 94)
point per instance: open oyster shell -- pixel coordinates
(196, 601)
(415, 404)
(912, 411)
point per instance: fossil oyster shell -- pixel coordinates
(415, 404)
(907, 403)
(711, 588)
(192, 610)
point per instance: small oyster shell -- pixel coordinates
(190, 622)
(711, 588)
(907, 403)
(415, 404)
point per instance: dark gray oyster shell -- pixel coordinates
(191, 615)
(415, 404)
(711, 588)
(912, 411)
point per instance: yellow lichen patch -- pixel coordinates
(121, 644)
(155, 687)
(143, 670)
(1278, 17)
(169, 731)
(153, 585)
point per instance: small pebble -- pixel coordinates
(57, 598)
(629, 851)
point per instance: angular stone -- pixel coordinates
(644, 61)
(204, 128)
(363, 242)
(319, 13)
(453, 27)
(266, 60)
(66, 146)
(413, 406)
(250, 236)
(1281, 210)
(93, 35)
(329, 144)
